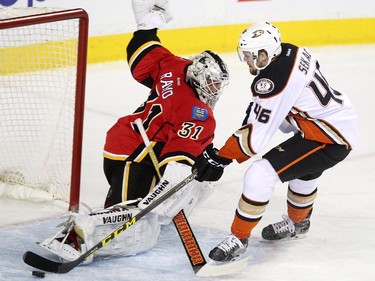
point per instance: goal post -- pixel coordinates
(43, 58)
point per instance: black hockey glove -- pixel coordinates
(209, 165)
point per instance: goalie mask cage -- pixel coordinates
(43, 56)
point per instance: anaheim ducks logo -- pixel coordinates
(264, 86)
(257, 33)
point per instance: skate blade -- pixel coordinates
(297, 237)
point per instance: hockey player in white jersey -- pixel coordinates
(290, 93)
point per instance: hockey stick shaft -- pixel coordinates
(180, 220)
(42, 263)
(138, 122)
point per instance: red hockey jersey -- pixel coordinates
(172, 115)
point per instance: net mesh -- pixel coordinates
(37, 102)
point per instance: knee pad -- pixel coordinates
(260, 181)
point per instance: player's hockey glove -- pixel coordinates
(209, 165)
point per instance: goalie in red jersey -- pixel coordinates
(177, 115)
(179, 122)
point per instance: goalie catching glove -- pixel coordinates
(150, 14)
(209, 165)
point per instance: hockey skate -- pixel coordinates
(286, 229)
(230, 248)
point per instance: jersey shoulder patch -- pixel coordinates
(264, 86)
(199, 113)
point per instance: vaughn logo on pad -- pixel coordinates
(155, 193)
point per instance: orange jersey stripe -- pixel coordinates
(300, 158)
(317, 129)
(238, 146)
(311, 131)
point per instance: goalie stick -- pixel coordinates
(154, 159)
(45, 264)
(200, 267)
(180, 221)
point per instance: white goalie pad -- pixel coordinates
(186, 198)
(140, 237)
(92, 228)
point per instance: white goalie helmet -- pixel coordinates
(260, 36)
(208, 73)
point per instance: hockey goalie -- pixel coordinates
(178, 119)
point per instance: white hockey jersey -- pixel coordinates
(292, 91)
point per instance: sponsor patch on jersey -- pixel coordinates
(264, 86)
(199, 113)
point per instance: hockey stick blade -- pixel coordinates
(189, 241)
(212, 269)
(42, 263)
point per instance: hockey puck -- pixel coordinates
(38, 273)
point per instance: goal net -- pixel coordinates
(43, 55)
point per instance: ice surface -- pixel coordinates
(339, 246)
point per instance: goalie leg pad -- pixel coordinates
(185, 199)
(82, 232)
(140, 237)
